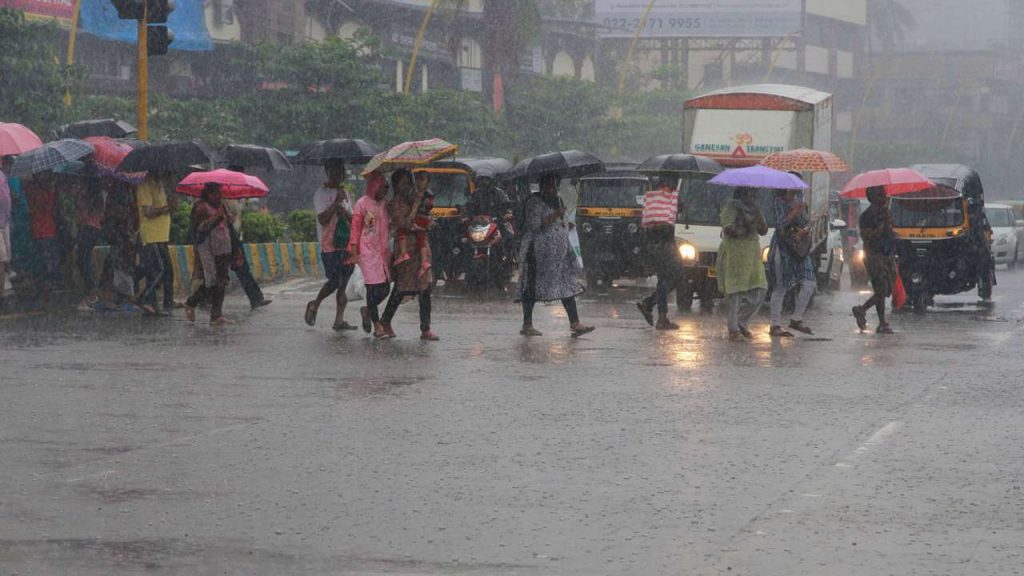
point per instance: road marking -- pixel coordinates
(875, 440)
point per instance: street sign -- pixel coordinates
(700, 18)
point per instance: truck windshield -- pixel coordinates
(612, 192)
(702, 203)
(450, 190)
(942, 213)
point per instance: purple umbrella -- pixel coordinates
(759, 177)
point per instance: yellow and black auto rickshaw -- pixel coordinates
(943, 238)
(453, 182)
(608, 219)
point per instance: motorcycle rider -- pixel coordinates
(492, 201)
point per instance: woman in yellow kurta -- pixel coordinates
(741, 275)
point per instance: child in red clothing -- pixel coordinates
(421, 223)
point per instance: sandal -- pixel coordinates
(581, 329)
(343, 326)
(190, 313)
(310, 317)
(800, 327)
(666, 324)
(429, 336)
(884, 329)
(735, 336)
(530, 331)
(779, 332)
(388, 331)
(746, 333)
(862, 318)
(648, 316)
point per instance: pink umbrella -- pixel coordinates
(16, 139)
(896, 181)
(233, 185)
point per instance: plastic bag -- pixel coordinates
(899, 292)
(574, 248)
(356, 289)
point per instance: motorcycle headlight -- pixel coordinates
(858, 256)
(587, 227)
(478, 235)
(764, 254)
(688, 251)
(632, 228)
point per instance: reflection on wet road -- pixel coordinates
(155, 446)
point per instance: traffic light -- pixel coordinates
(129, 9)
(158, 40)
(159, 10)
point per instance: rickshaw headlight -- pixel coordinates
(587, 227)
(916, 278)
(764, 254)
(632, 228)
(688, 251)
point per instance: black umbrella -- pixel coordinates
(348, 150)
(680, 163)
(249, 156)
(161, 157)
(567, 164)
(108, 127)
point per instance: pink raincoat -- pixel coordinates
(370, 234)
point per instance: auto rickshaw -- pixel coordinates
(608, 220)
(942, 237)
(453, 181)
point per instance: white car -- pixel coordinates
(1006, 235)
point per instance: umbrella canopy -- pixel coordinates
(249, 156)
(896, 181)
(680, 163)
(348, 150)
(16, 139)
(108, 155)
(806, 160)
(759, 177)
(410, 154)
(108, 127)
(234, 185)
(163, 157)
(50, 156)
(566, 164)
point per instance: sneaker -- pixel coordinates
(530, 331)
(779, 332)
(262, 303)
(581, 329)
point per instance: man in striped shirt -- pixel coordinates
(660, 238)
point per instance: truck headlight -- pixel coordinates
(587, 227)
(1002, 240)
(688, 251)
(764, 254)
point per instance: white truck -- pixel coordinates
(739, 127)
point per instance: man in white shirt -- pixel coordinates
(333, 208)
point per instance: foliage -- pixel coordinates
(888, 20)
(181, 225)
(302, 226)
(260, 227)
(31, 79)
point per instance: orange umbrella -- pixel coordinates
(806, 160)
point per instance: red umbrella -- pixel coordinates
(234, 185)
(108, 154)
(16, 139)
(896, 181)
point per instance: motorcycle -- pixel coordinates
(489, 262)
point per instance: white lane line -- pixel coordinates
(875, 440)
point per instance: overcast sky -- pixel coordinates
(959, 24)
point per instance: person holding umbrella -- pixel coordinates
(155, 209)
(333, 208)
(741, 274)
(212, 240)
(661, 241)
(239, 264)
(788, 265)
(547, 269)
(879, 257)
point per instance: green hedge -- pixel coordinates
(260, 228)
(302, 226)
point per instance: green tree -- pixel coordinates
(888, 22)
(32, 81)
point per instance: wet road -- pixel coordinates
(141, 446)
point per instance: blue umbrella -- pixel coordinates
(759, 177)
(50, 156)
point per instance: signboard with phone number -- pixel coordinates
(700, 18)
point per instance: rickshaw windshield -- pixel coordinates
(450, 190)
(612, 192)
(702, 203)
(935, 213)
